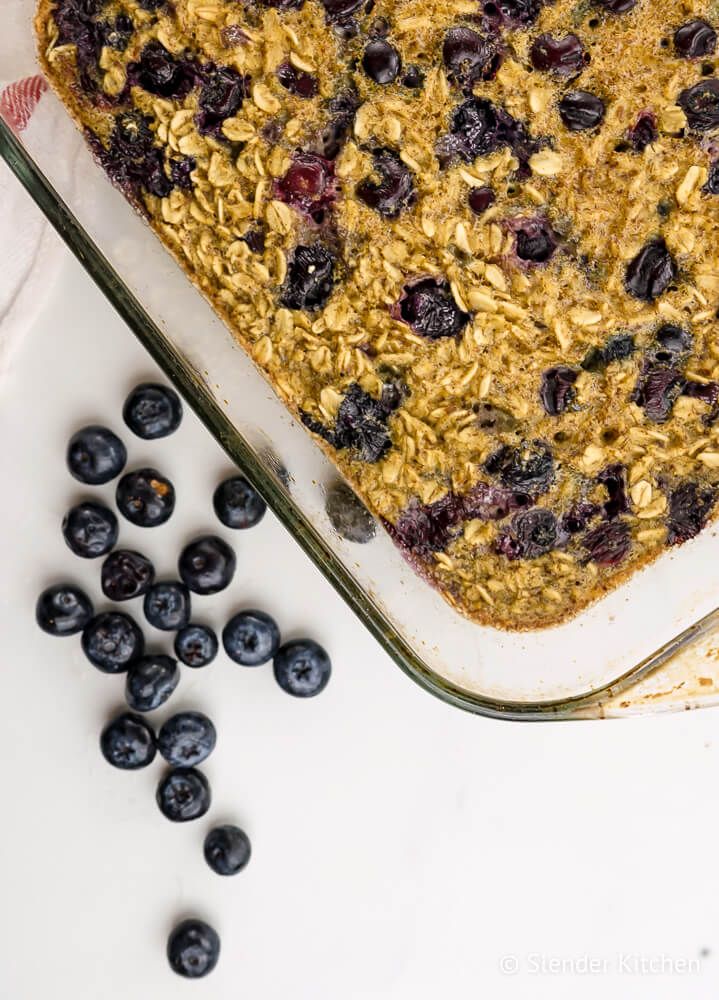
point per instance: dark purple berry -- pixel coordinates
(221, 96)
(557, 390)
(193, 949)
(428, 306)
(565, 57)
(151, 5)
(581, 111)
(150, 681)
(152, 411)
(302, 668)
(184, 795)
(532, 533)
(617, 348)
(167, 605)
(343, 109)
(310, 277)
(394, 191)
(469, 57)
(700, 104)
(297, 81)
(126, 574)
(381, 61)
(95, 455)
(618, 6)
(511, 13)
(477, 127)
(480, 199)
(338, 11)
(707, 392)
(111, 641)
(689, 508)
(712, 184)
(145, 497)
(657, 389)
(186, 739)
(426, 528)
(251, 638)
(63, 610)
(609, 543)
(361, 422)
(116, 34)
(238, 504)
(535, 240)
(196, 645)
(181, 171)
(695, 39)
(128, 742)
(255, 239)
(671, 342)
(90, 530)
(309, 185)
(528, 468)
(207, 565)
(614, 480)
(578, 517)
(227, 850)
(413, 77)
(158, 72)
(643, 132)
(651, 272)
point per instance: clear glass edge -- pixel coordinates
(190, 385)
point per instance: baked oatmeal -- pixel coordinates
(472, 245)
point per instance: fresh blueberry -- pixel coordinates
(581, 111)
(90, 529)
(152, 411)
(63, 610)
(186, 739)
(193, 949)
(207, 565)
(167, 605)
(651, 272)
(695, 39)
(310, 277)
(227, 850)
(126, 574)
(237, 504)
(348, 515)
(150, 681)
(128, 742)
(563, 57)
(196, 645)
(700, 104)
(95, 455)
(429, 308)
(480, 199)
(251, 638)
(394, 191)
(183, 795)
(468, 57)
(297, 81)
(381, 61)
(145, 497)
(302, 668)
(112, 641)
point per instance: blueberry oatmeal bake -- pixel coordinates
(472, 245)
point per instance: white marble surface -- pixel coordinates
(402, 849)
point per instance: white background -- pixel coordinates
(402, 849)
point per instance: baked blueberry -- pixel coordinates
(700, 104)
(480, 199)
(193, 949)
(150, 681)
(159, 72)
(95, 455)
(186, 739)
(128, 742)
(221, 95)
(361, 422)
(196, 645)
(348, 515)
(394, 191)
(167, 605)
(618, 6)
(183, 795)
(644, 131)
(469, 57)
(617, 348)
(511, 13)
(564, 57)
(557, 390)
(413, 77)
(251, 638)
(297, 81)
(302, 668)
(428, 306)
(381, 61)
(152, 411)
(695, 39)
(581, 111)
(310, 277)
(90, 529)
(651, 272)
(207, 565)
(227, 849)
(532, 533)
(63, 610)
(535, 240)
(111, 641)
(238, 504)
(126, 574)
(609, 543)
(528, 468)
(477, 127)
(690, 505)
(145, 497)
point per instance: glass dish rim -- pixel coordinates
(182, 375)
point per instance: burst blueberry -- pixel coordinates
(186, 739)
(90, 529)
(695, 39)
(532, 533)
(394, 191)
(609, 543)
(468, 57)
(128, 742)
(126, 574)
(557, 390)
(700, 104)
(564, 57)
(95, 455)
(617, 348)
(167, 605)
(309, 185)
(644, 132)
(302, 668)
(196, 645)
(112, 641)
(251, 638)
(429, 308)
(361, 422)
(310, 277)
(158, 72)
(63, 610)
(534, 238)
(689, 507)
(528, 468)
(221, 95)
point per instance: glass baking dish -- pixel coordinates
(648, 646)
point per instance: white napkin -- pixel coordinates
(30, 251)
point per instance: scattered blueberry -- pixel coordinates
(255, 239)
(535, 240)
(131, 159)
(145, 497)
(614, 479)
(95, 455)
(63, 610)
(700, 104)
(183, 795)
(361, 422)
(112, 641)
(643, 132)
(302, 668)
(167, 605)
(658, 388)
(480, 199)
(564, 57)
(469, 57)
(152, 411)
(651, 272)
(617, 348)
(126, 574)
(128, 742)
(186, 739)
(528, 468)
(381, 61)
(511, 13)
(429, 308)
(193, 949)
(477, 127)
(117, 33)
(237, 503)
(581, 111)
(343, 109)
(309, 185)
(90, 529)
(557, 390)
(297, 81)
(394, 191)
(348, 515)
(310, 276)
(251, 638)
(578, 517)
(196, 645)
(151, 5)
(690, 505)
(413, 77)
(695, 39)
(150, 681)
(227, 850)
(609, 543)
(207, 565)
(160, 73)
(221, 95)
(532, 533)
